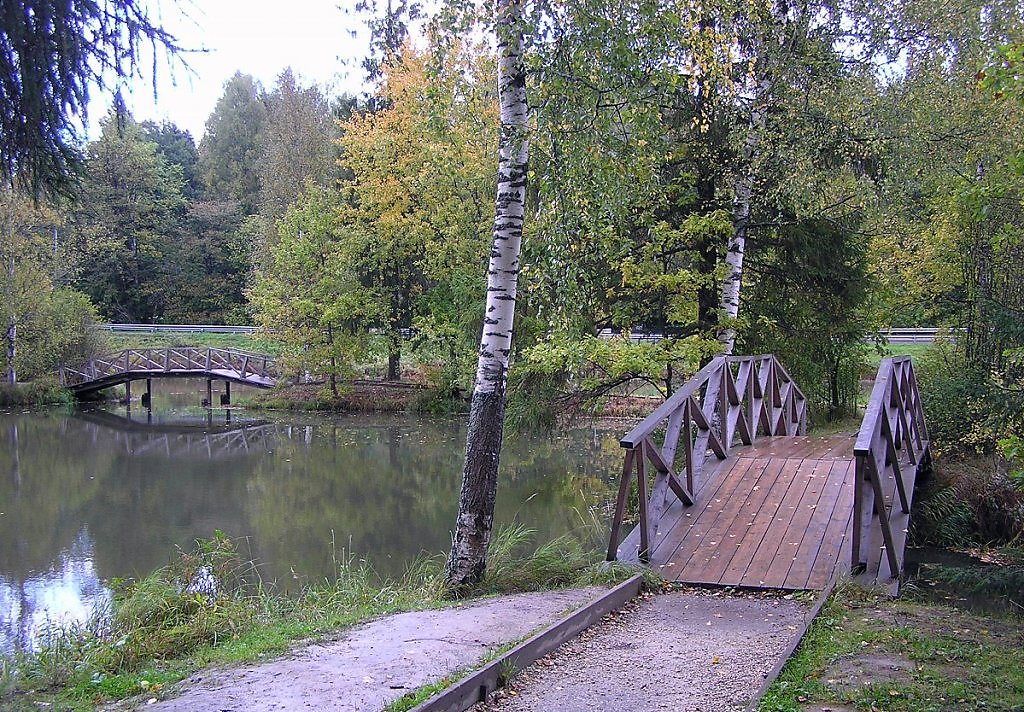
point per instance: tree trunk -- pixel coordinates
(730, 304)
(743, 183)
(333, 377)
(468, 556)
(394, 357)
(12, 350)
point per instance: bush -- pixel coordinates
(969, 503)
(44, 392)
(61, 332)
(962, 418)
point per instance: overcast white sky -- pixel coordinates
(257, 37)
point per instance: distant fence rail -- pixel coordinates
(909, 335)
(179, 328)
(901, 335)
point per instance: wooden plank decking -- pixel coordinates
(777, 514)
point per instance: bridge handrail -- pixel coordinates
(173, 359)
(709, 411)
(893, 428)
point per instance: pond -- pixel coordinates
(93, 494)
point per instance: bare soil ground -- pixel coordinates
(686, 651)
(374, 663)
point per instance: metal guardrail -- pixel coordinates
(910, 335)
(179, 328)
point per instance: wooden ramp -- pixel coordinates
(781, 511)
(777, 514)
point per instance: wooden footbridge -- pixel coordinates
(730, 490)
(230, 365)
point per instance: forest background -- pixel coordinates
(864, 159)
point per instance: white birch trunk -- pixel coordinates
(468, 556)
(11, 335)
(743, 190)
(12, 351)
(743, 183)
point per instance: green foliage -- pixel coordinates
(1012, 447)
(62, 331)
(806, 304)
(968, 503)
(178, 148)
(35, 393)
(956, 404)
(308, 295)
(53, 53)
(296, 146)
(125, 224)
(229, 151)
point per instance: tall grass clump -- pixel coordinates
(567, 561)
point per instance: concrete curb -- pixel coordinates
(774, 673)
(477, 686)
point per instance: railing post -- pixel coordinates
(641, 490)
(620, 504)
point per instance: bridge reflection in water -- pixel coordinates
(181, 438)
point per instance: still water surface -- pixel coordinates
(93, 494)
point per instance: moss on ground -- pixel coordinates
(868, 653)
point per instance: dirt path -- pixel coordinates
(694, 651)
(375, 663)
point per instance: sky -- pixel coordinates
(257, 37)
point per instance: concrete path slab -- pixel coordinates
(376, 662)
(692, 651)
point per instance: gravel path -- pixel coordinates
(694, 651)
(377, 662)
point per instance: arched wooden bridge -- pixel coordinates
(732, 492)
(231, 365)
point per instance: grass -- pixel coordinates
(33, 394)
(867, 652)
(914, 351)
(425, 692)
(119, 340)
(209, 607)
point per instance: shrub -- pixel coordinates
(969, 503)
(957, 410)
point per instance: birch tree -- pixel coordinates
(468, 556)
(765, 42)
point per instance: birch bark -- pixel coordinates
(467, 560)
(765, 46)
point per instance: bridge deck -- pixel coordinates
(777, 514)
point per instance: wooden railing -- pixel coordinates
(732, 397)
(230, 363)
(891, 448)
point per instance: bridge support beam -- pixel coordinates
(147, 397)
(128, 392)
(226, 398)
(209, 392)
